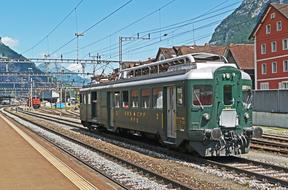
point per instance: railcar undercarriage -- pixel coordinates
(219, 142)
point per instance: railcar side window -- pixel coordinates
(84, 99)
(134, 98)
(227, 93)
(202, 95)
(94, 97)
(246, 94)
(81, 98)
(125, 99)
(179, 96)
(157, 98)
(89, 99)
(116, 99)
(145, 98)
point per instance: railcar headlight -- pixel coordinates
(228, 75)
(206, 116)
(246, 115)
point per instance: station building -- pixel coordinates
(271, 48)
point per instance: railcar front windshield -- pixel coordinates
(246, 95)
(202, 95)
(228, 97)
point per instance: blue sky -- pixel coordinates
(24, 23)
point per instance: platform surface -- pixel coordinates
(23, 167)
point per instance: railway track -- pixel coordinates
(59, 112)
(156, 178)
(259, 170)
(271, 143)
(73, 113)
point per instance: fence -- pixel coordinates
(275, 101)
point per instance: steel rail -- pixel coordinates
(222, 164)
(158, 177)
(64, 150)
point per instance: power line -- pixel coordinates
(53, 30)
(129, 25)
(92, 26)
(176, 35)
(179, 34)
(192, 19)
(183, 23)
(103, 19)
(166, 28)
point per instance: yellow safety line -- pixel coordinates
(72, 175)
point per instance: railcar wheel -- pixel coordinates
(159, 139)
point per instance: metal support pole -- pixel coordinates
(31, 93)
(120, 53)
(78, 34)
(121, 40)
(65, 97)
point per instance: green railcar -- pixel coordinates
(198, 102)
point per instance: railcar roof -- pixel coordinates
(203, 71)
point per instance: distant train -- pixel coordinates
(36, 102)
(197, 102)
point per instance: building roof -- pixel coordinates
(243, 54)
(167, 52)
(281, 7)
(129, 64)
(183, 50)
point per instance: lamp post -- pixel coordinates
(31, 86)
(78, 34)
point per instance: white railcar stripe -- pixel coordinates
(203, 71)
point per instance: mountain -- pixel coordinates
(69, 79)
(7, 52)
(20, 67)
(237, 27)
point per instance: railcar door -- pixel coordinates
(110, 109)
(94, 104)
(171, 112)
(228, 96)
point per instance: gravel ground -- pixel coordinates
(267, 157)
(275, 131)
(134, 180)
(202, 177)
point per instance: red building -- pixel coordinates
(271, 48)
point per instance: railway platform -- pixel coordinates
(28, 164)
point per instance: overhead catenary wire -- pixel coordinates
(211, 11)
(92, 26)
(176, 35)
(238, 25)
(200, 18)
(123, 28)
(54, 28)
(156, 40)
(141, 47)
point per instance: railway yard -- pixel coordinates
(140, 99)
(101, 160)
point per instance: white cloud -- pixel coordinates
(8, 41)
(75, 67)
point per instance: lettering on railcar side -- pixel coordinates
(180, 122)
(134, 116)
